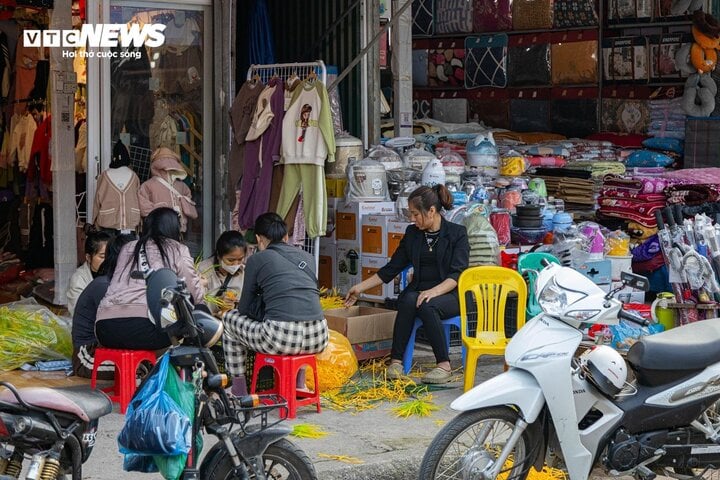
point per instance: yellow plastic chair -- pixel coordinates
(488, 288)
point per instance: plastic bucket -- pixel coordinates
(620, 264)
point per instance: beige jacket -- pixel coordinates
(166, 189)
(116, 208)
(78, 281)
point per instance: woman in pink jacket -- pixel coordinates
(122, 318)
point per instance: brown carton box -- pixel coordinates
(362, 324)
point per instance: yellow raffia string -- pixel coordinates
(420, 407)
(440, 423)
(341, 458)
(308, 430)
(331, 299)
(368, 393)
(547, 473)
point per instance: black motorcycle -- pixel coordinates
(255, 450)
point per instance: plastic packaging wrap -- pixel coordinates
(482, 152)
(31, 332)
(417, 159)
(492, 15)
(403, 211)
(388, 157)
(484, 244)
(529, 60)
(617, 244)
(155, 424)
(532, 14)
(454, 166)
(336, 364)
(434, 173)
(367, 181)
(574, 59)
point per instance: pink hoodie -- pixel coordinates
(166, 188)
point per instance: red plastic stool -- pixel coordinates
(286, 371)
(126, 364)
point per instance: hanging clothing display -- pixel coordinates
(4, 66)
(308, 136)
(116, 203)
(131, 98)
(241, 113)
(21, 139)
(180, 65)
(262, 151)
(40, 161)
(81, 144)
(166, 188)
(314, 196)
(26, 59)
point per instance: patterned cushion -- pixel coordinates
(486, 62)
(528, 61)
(574, 13)
(491, 107)
(663, 49)
(625, 115)
(620, 11)
(532, 14)
(492, 15)
(446, 65)
(574, 59)
(625, 58)
(453, 16)
(423, 15)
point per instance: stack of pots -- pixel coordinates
(528, 224)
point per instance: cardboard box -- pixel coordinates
(362, 324)
(348, 218)
(600, 272)
(399, 283)
(377, 349)
(335, 185)
(370, 266)
(349, 266)
(373, 236)
(395, 233)
(327, 268)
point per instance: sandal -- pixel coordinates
(394, 371)
(437, 375)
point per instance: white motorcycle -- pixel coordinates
(578, 412)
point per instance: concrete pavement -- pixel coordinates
(389, 448)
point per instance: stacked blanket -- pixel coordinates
(634, 198)
(667, 118)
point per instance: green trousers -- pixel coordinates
(311, 179)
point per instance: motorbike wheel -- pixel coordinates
(458, 451)
(282, 460)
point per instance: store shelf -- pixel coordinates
(659, 24)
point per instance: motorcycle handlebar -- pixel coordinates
(631, 317)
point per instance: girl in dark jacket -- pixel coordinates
(438, 251)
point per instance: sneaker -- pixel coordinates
(394, 371)
(437, 375)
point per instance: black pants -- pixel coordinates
(133, 333)
(431, 313)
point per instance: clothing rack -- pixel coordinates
(287, 71)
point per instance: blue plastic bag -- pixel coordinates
(154, 423)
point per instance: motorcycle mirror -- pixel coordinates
(635, 281)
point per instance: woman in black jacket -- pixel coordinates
(438, 251)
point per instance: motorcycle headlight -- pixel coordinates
(552, 299)
(582, 315)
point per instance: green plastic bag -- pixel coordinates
(183, 393)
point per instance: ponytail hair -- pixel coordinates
(425, 197)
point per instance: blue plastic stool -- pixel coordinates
(410, 349)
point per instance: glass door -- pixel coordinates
(152, 97)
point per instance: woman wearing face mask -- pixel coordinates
(224, 270)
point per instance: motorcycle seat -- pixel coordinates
(668, 356)
(82, 402)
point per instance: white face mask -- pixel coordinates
(231, 269)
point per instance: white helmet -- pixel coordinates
(605, 368)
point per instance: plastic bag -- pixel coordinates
(155, 424)
(336, 364)
(624, 335)
(31, 332)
